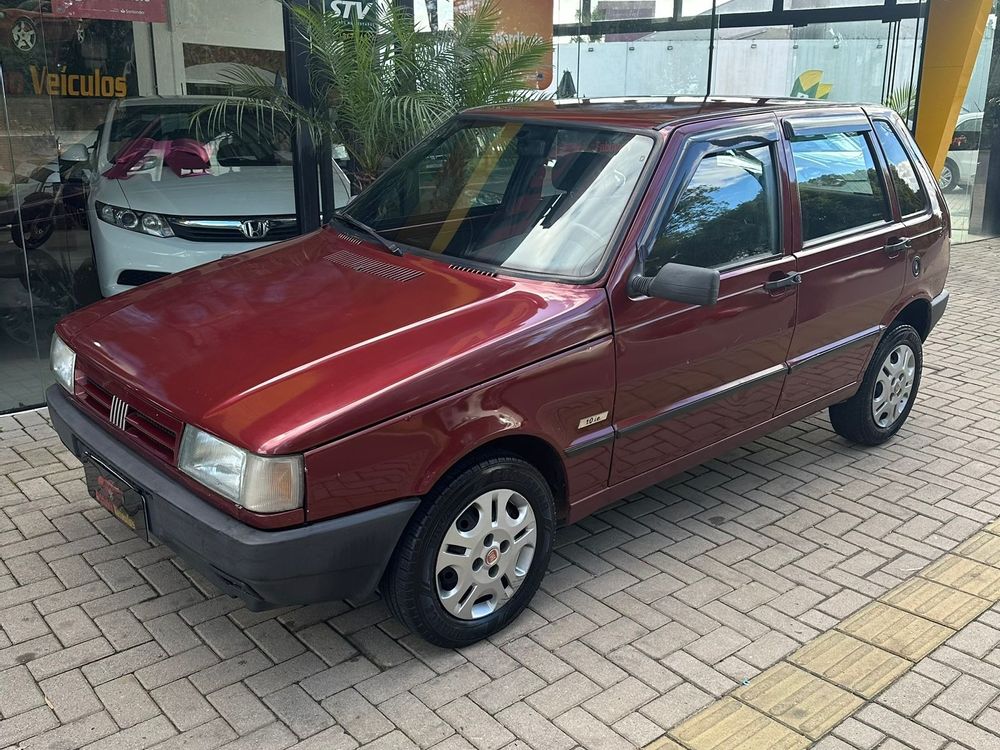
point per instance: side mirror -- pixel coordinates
(75, 152)
(679, 283)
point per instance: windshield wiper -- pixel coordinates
(358, 224)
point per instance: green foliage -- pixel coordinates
(903, 101)
(380, 87)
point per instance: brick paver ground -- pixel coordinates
(652, 609)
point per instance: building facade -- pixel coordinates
(84, 80)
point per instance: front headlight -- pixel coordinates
(262, 484)
(136, 221)
(62, 360)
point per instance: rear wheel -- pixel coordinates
(880, 407)
(475, 553)
(949, 176)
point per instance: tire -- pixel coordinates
(859, 419)
(950, 177)
(36, 222)
(420, 578)
(39, 231)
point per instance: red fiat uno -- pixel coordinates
(538, 311)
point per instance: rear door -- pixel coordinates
(851, 250)
(923, 226)
(689, 377)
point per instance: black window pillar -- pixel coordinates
(304, 151)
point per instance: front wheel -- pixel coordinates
(32, 233)
(475, 553)
(880, 407)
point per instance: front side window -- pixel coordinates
(910, 192)
(524, 197)
(727, 214)
(839, 185)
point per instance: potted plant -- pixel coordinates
(379, 87)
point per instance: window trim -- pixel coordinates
(926, 210)
(695, 149)
(804, 126)
(871, 227)
(875, 150)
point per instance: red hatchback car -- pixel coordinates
(536, 312)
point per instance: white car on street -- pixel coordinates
(175, 188)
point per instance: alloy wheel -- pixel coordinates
(947, 177)
(486, 554)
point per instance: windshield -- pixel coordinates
(525, 197)
(144, 136)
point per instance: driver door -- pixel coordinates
(689, 377)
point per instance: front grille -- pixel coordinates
(154, 431)
(229, 229)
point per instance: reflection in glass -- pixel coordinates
(523, 197)
(839, 187)
(727, 214)
(909, 190)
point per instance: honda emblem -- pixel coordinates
(255, 229)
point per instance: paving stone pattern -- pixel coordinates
(677, 600)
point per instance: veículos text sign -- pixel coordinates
(64, 83)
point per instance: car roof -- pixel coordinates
(647, 112)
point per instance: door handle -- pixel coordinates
(784, 282)
(897, 245)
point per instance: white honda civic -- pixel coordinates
(177, 186)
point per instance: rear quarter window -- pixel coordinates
(839, 185)
(909, 190)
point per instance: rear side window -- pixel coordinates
(839, 185)
(911, 194)
(727, 214)
(968, 134)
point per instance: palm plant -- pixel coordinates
(380, 87)
(903, 101)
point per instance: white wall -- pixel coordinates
(225, 23)
(766, 67)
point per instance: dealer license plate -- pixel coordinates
(115, 493)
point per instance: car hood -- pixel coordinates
(247, 191)
(294, 345)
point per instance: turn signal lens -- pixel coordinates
(262, 484)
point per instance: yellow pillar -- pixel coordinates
(954, 32)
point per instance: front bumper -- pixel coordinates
(117, 250)
(339, 558)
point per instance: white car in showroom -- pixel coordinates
(179, 184)
(963, 154)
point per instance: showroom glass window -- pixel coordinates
(122, 168)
